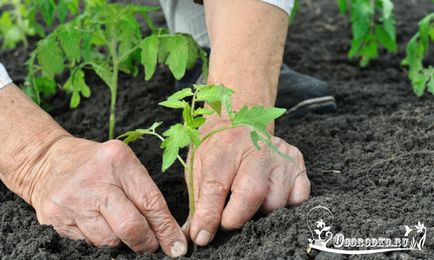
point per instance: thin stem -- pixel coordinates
(128, 53)
(215, 132)
(178, 157)
(113, 88)
(20, 22)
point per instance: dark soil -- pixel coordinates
(371, 163)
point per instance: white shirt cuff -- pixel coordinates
(4, 77)
(285, 5)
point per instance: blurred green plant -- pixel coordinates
(421, 77)
(107, 39)
(18, 18)
(372, 25)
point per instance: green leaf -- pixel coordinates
(203, 111)
(149, 54)
(173, 103)
(257, 116)
(419, 84)
(387, 9)
(177, 137)
(47, 10)
(342, 5)
(70, 40)
(181, 94)
(103, 71)
(256, 137)
(46, 86)
(361, 16)
(50, 57)
(214, 95)
(132, 136)
(78, 87)
(385, 38)
(177, 47)
(431, 83)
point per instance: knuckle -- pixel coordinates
(153, 200)
(215, 188)
(210, 217)
(111, 242)
(128, 228)
(252, 194)
(116, 150)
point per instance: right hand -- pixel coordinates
(101, 193)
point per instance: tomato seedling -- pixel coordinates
(369, 32)
(421, 77)
(181, 135)
(18, 19)
(107, 39)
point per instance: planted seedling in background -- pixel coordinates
(421, 77)
(217, 99)
(107, 39)
(18, 18)
(372, 25)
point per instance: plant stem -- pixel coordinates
(113, 87)
(20, 22)
(190, 182)
(114, 93)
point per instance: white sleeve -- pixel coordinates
(285, 5)
(4, 77)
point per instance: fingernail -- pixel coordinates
(203, 238)
(178, 249)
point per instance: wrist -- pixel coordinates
(31, 162)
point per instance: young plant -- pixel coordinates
(186, 134)
(421, 77)
(107, 39)
(18, 20)
(372, 24)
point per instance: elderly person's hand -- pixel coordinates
(228, 164)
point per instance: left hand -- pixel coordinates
(257, 180)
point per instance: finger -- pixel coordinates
(95, 228)
(127, 223)
(248, 190)
(72, 232)
(146, 196)
(279, 186)
(300, 190)
(218, 171)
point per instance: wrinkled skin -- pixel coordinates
(229, 164)
(103, 194)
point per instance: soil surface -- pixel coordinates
(371, 163)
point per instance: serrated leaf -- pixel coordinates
(177, 137)
(47, 8)
(181, 94)
(419, 84)
(149, 55)
(213, 95)
(257, 116)
(50, 57)
(103, 71)
(387, 8)
(77, 85)
(203, 111)
(342, 5)
(45, 86)
(70, 40)
(132, 136)
(177, 47)
(384, 38)
(172, 103)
